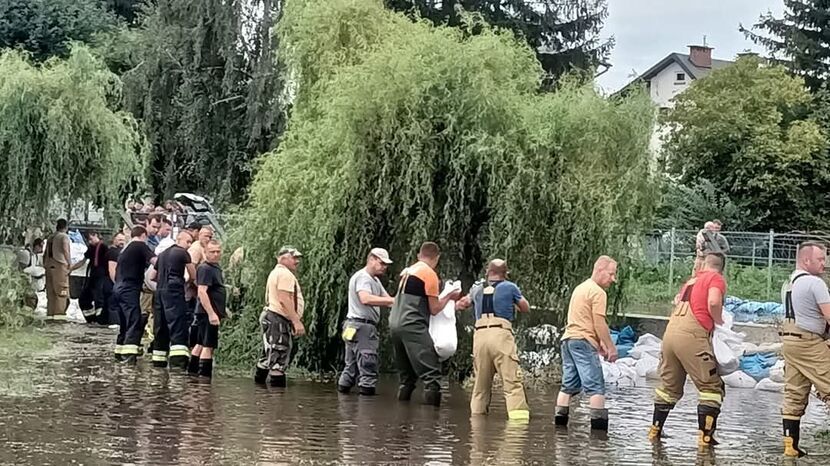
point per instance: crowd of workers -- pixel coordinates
(180, 283)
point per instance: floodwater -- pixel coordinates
(88, 410)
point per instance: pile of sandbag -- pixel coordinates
(761, 371)
(753, 311)
(641, 363)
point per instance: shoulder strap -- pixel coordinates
(789, 312)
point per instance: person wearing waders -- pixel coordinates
(687, 350)
(360, 330)
(586, 338)
(281, 320)
(56, 262)
(804, 336)
(129, 279)
(416, 301)
(495, 301)
(210, 310)
(170, 310)
(202, 236)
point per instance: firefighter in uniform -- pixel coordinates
(56, 259)
(494, 348)
(171, 328)
(129, 279)
(803, 334)
(687, 349)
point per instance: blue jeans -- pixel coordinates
(581, 368)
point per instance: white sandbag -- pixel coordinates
(728, 347)
(610, 372)
(630, 362)
(620, 375)
(647, 344)
(76, 252)
(648, 366)
(739, 379)
(768, 385)
(74, 313)
(649, 340)
(776, 372)
(442, 325)
(749, 348)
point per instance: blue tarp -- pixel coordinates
(757, 365)
(752, 311)
(76, 237)
(624, 340)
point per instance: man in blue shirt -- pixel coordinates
(496, 301)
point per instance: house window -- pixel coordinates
(681, 77)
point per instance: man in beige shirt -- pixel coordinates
(281, 319)
(587, 338)
(56, 262)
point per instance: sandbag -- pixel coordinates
(648, 366)
(727, 346)
(442, 325)
(739, 379)
(768, 385)
(758, 365)
(776, 372)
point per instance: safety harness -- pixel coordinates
(789, 312)
(487, 307)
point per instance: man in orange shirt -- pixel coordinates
(416, 301)
(587, 338)
(687, 349)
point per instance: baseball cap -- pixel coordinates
(289, 250)
(381, 254)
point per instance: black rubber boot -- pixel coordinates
(130, 360)
(183, 363)
(279, 381)
(707, 422)
(561, 416)
(119, 357)
(260, 376)
(366, 391)
(599, 419)
(432, 397)
(206, 368)
(160, 364)
(343, 389)
(792, 434)
(661, 412)
(193, 365)
(405, 392)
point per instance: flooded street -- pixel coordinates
(86, 409)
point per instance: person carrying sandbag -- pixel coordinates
(687, 349)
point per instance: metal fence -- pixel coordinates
(756, 249)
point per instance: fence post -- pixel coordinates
(769, 262)
(671, 261)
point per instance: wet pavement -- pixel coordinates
(86, 409)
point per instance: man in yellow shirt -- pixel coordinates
(281, 319)
(587, 338)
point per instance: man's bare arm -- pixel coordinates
(715, 302)
(369, 299)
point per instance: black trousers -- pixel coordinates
(128, 297)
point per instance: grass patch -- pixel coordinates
(18, 349)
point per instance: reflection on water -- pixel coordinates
(89, 410)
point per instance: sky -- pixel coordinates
(646, 31)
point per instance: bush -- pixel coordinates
(15, 298)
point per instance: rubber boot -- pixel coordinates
(707, 421)
(130, 360)
(661, 412)
(432, 396)
(405, 392)
(599, 419)
(561, 416)
(183, 363)
(366, 391)
(792, 434)
(160, 364)
(119, 357)
(260, 376)
(193, 365)
(279, 381)
(343, 389)
(206, 368)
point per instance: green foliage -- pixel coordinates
(45, 28)
(60, 138)
(746, 128)
(798, 39)
(564, 34)
(403, 132)
(204, 87)
(15, 297)
(688, 207)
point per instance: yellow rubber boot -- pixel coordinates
(792, 434)
(707, 419)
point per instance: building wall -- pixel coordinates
(665, 85)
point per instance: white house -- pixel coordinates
(673, 74)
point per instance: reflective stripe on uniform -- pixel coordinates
(129, 349)
(668, 398)
(709, 396)
(119, 349)
(59, 317)
(179, 350)
(518, 415)
(159, 356)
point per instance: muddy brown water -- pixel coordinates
(88, 410)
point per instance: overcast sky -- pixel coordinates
(648, 30)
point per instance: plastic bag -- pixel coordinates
(728, 346)
(739, 379)
(442, 325)
(768, 385)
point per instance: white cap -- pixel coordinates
(381, 254)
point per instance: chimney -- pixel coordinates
(700, 56)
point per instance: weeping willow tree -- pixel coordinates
(403, 132)
(60, 137)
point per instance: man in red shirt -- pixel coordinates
(687, 349)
